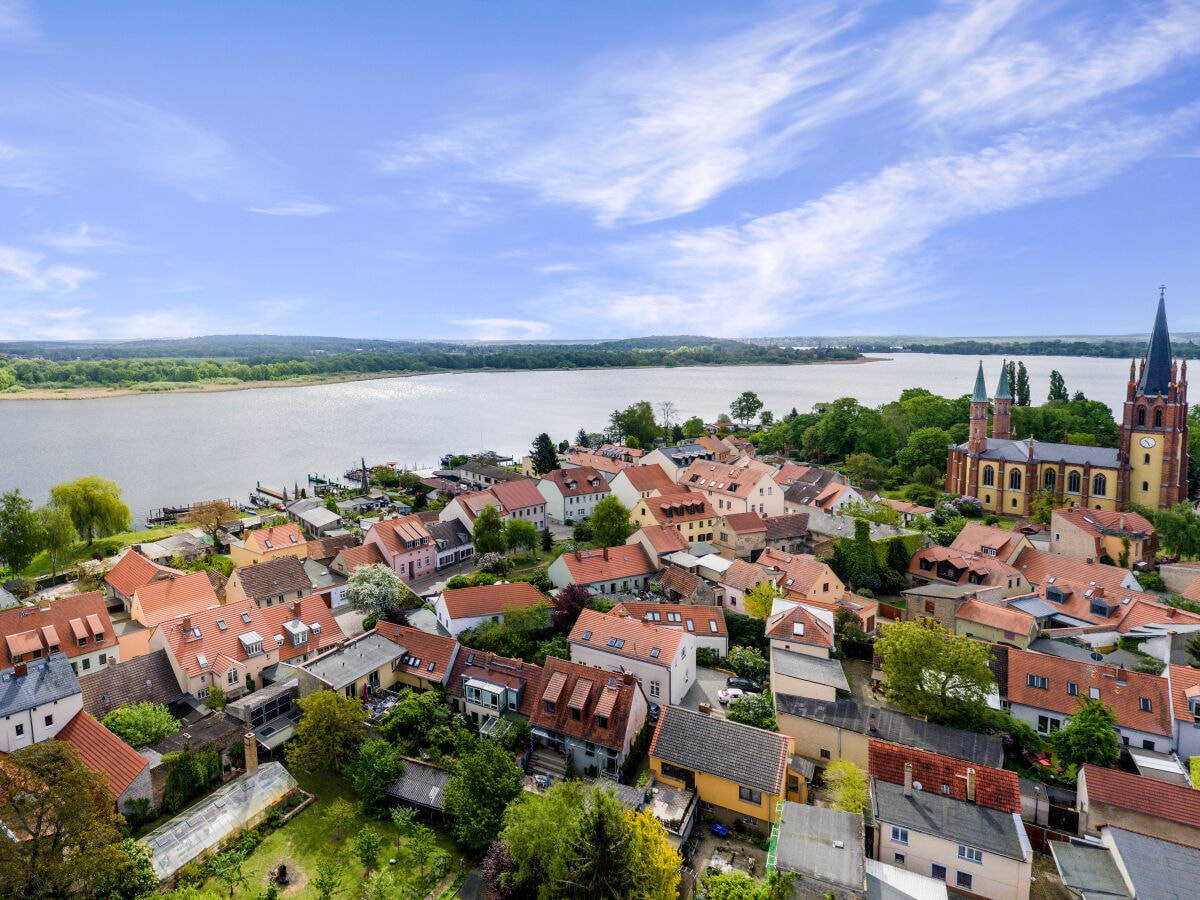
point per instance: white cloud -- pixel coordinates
(83, 238)
(294, 208)
(504, 329)
(28, 273)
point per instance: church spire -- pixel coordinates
(1156, 372)
(1002, 390)
(980, 395)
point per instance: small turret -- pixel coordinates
(1002, 420)
(977, 439)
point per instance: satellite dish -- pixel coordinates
(1097, 657)
(917, 786)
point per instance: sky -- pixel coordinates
(545, 170)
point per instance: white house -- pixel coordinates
(705, 623)
(37, 699)
(662, 659)
(463, 608)
(572, 494)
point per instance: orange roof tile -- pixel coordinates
(309, 610)
(1122, 689)
(219, 646)
(977, 538)
(742, 575)
(561, 678)
(737, 480)
(491, 599)
(804, 573)
(663, 538)
(354, 557)
(611, 563)
(1141, 611)
(26, 629)
(103, 752)
(263, 540)
(173, 597)
(970, 568)
(134, 570)
(691, 617)
(620, 636)
(577, 482)
(430, 656)
(745, 523)
(1185, 688)
(799, 626)
(1039, 566)
(512, 673)
(519, 494)
(1161, 799)
(678, 506)
(1192, 591)
(648, 478)
(994, 616)
(994, 788)
(1106, 521)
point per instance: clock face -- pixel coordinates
(1147, 442)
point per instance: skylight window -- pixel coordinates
(654, 653)
(587, 635)
(246, 617)
(221, 624)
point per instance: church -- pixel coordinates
(1149, 466)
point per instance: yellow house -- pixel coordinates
(687, 512)
(269, 543)
(742, 772)
(363, 664)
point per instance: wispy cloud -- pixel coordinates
(505, 329)
(83, 239)
(26, 272)
(16, 22)
(294, 208)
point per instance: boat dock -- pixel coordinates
(170, 515)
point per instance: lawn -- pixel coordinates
(108, 546)
(307, 839)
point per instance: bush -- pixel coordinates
(1151, 581)
(191, 874)
(992, 520)
(369, 622)
(1194, 770)
(707, 657)
(457, 583)
(582, 532)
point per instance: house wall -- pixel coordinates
(941, 609)
(821, 743)
(662, 683)
(1130, 736)
(1092, 815)
(242, 556)
(997, 877)
(97, 658)
(1068, 539)
(725, 796)
(1187, 738)
(32, 722)
(455, 626)
(567, 509)
(627, 493)
(994, 635)
(140, 788)
(799, 687)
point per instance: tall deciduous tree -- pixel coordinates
(745, 407)
(666, 414)
(372, 772)
(571, 601)
(847, 784)
(20, 531)
(693, 427)
(488, 532)
(374, 590)
(759, 599)
(932, 673)
(141, 724)
(211, 516)
(610, 522)
(653, 861)
(68, 842)
(520, 534)
(1090, 737)
(545, 459)
(1058, 388)
(332, 729)
(58, 533)
(95, 505)
(484, 782)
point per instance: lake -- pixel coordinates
(168, 449)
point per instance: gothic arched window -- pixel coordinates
(1014, 480)
(989, 476)
(1073, 483)
(1158, 418)
(1100, 485)
(1141, 417)
(1049, 479)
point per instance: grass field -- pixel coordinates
(108, 546)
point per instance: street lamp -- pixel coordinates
(1037, 796)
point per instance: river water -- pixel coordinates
(168, 449)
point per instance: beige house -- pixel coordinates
(688, 512)
(745, 486)
(640, 483)
(995, 624)
(741, 536)
(368, 662)
(268, 543)
(1121, 538)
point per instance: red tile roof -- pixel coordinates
(700, 618)
(561, 679)
(988, 571)
(905, 507)
(1122, 689)
(354, 557)
(648, 478)
(737, 480)
(631, 638)
(62, 622)
(681, 505)
(663, 538)
(742, 575)
(103, 752)
(424, 649)
(975, 538)
(783, 627)
(1106, 521)
(1172, 802)
(1039, 567)
(1150, 612)
(512, 673)
(1192, 591)
(219, 646)
(610, 564)
(173, 597)
(803, 573)
(577, 482)
(264, 540)
(994, 788)
(309, 610)
(491, 599)
(745, 523)
(994, 616)
(519, 494)
(134, 570)
(1185, 687)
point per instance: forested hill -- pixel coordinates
(264, 358)
(1109, 348)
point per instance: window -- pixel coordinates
(49, 720)
(1048, 725)
(1158, 418)
(899, 835)
(938, 871)
(1100, 485)
(989, 476)
(1145, 487)
(750, 796)
(87, 663)
(1049, 479)
(232, 677)
(825, 753)
(1072, 689)
(930, 607)
(1146, 459)
(550, 706)
(1141, 418)
(20, 729)
(576, 715)
(1147, 745)
(83, 642)
(675, 773)
(655, 689)
(899, 857)
(1094, 693)
(1037, 681)
(1014, 480)
(1073, 482)
(1144, 704)
(964, 880)
(970, 854)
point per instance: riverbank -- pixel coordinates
(213, 387)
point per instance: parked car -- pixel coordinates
(729, 694)
(743, 684)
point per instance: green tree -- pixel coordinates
(925, 447)
(847, 784)
(635, 422)
(759, 599)
(483, 783)
(372, 772)
(932, 673)
(753, 709)
(547, 540)
(367, 845)
(20, 531)
(374, 590)
(329, 734)
(328, 880)
(1178, 530)
(745, 407)
(862, 467)
(414, 715)
(1044, 503)
(581, 438)
(610, 522)
(1089, 737)
(1193, 650)
(58, 533)
(598, 852)
(135, 878)
(380, 886)
(211, 516)
(748, 662)
(693, 427)
(1058, 388)
(545, 458)
(488, 531)
(216, 698)
(520, 534)
(422, 844)
(229, 868)
(95, 506)
(141, 724)
(655, 864)
(1021, 385)
(403, 818)
(340, 815)
(330, 503)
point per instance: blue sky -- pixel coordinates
(565, 170)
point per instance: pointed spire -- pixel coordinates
(980, 395)
(1156, 374)
(1002, 391)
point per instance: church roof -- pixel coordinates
(1002, 390)
(1156, 373)
(1071, 454)
(980, 395)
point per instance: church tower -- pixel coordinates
(977, 436)
(1154, 427)
(1002, 420)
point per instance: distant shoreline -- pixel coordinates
(100, 393)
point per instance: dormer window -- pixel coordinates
(576, 715)
(602, 721)
(550, 707)
(1145, 705)
(252, 643)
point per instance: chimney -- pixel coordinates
(187, 741)
(251, 744)
(1170, 613)
(908, 779)
(606, 554)
(970, 785)
(185, 624)
(20, 670)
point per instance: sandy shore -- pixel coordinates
(98, 393)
